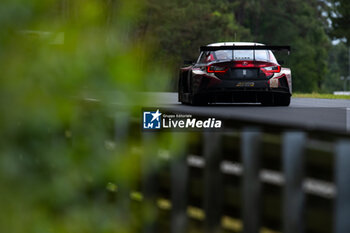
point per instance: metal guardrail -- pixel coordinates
(294, 201)
(293, 182)
(244, 180)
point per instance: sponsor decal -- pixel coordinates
(245, 84)
(154, 120)
(274, 83)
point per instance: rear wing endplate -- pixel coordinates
(247, 47)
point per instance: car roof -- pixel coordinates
(234, 43)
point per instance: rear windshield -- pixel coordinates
(238, 55)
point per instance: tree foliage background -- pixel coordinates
(61, 159)
(180, 27)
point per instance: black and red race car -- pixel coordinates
(236, 72)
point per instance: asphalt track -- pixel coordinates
(306, 113)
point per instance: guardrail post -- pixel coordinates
(293, 195)
(342, 180)
(121, 132)
(121, 126)
(213, 182)
(149, 183)
(179, 182)
(250, 152)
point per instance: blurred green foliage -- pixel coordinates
(338, 62)
(60, 165)
(339, 14)
(182, 26)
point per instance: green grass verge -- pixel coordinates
(320, 96)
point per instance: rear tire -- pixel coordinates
(282, 100)
(181, 94)
(198, 100)
(268, 100)
(276, 100)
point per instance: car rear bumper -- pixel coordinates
(241, 95)
(241, 90)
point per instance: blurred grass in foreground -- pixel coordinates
(60, 165)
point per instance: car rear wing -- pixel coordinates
(247, 47)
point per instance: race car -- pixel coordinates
(241, 72)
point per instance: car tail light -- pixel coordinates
(271, 69)
(216, 69)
